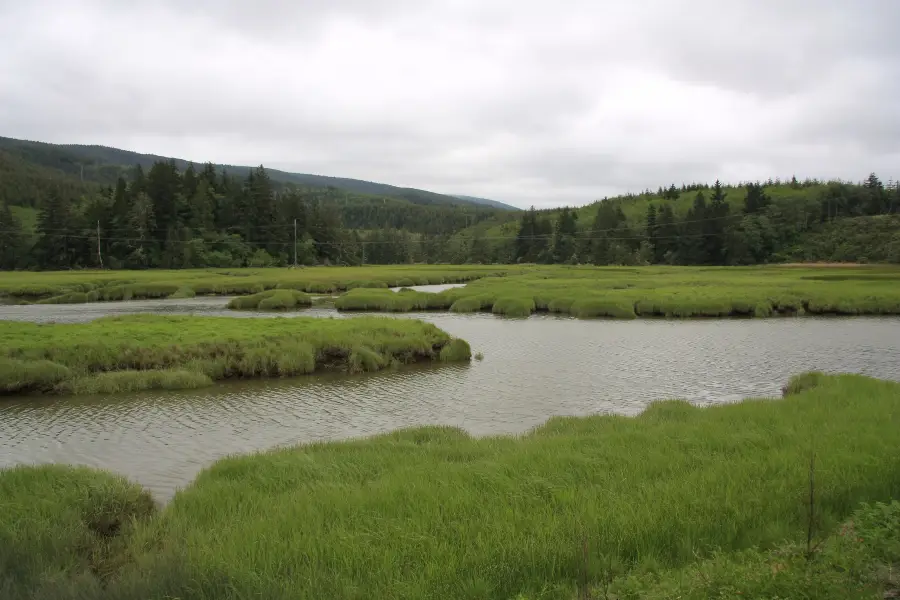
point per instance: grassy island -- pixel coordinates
(673, 292)
(136, 352)
(678, 502)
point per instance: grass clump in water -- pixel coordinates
(364, 299)
(163, 352)
(20, 376)
(515, 306)
(278, 299)
(456, 351)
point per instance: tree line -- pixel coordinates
(167, 218)
(762, 228)
(206, 217)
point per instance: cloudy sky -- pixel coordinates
(524, 101)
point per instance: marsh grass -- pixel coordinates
(673, 500)
(120, 382)
(30, 375)
(64, 531)
(513, 306)
(858, 561)
(404, 300)
(276, 299)
(136, 352)
(457, 350)
(133, 285)
(184, 291)
(70, 298)
(678, 293)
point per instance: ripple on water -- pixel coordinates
(533, 369)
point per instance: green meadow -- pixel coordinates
(674, 292)
(135, 352)
(679, 501)
(71, 287)
(512, 290)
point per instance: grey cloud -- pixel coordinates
(525, 101)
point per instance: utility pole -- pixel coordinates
(99, 254)
(363, 244)
(295, 242)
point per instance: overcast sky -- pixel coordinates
(528, 102)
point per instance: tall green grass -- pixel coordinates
(65, 531)
(670, 292)
(133, 285)
(129, 353)
(277, 299)
(434, 513)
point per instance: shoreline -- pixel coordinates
(649, 494)
(147, 352)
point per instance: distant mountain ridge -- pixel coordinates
(103, 164)
(486, 202)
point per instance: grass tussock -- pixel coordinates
(405, 300)
(137, 352)
(513, 306)
(276, 299)
(64, 531)
(679, 502)
(457, 350)
(21, 376)
(804, 381)
(184, 291)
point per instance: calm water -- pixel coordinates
(533, 369)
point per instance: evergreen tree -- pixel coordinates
(528, 246)
(651, 232)
(691, 248)
(478, 248)
(666, 236)
(56, 231)
(608, 234)
(756, 200)
(202, 203)
(141, 226)
(11, 238)
(564, 248)
(714, 226)
(164, 190)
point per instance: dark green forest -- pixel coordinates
(701, 224)
(87, 213)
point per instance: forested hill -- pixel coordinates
(701, 224)
(59, 210)
(101, 164)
